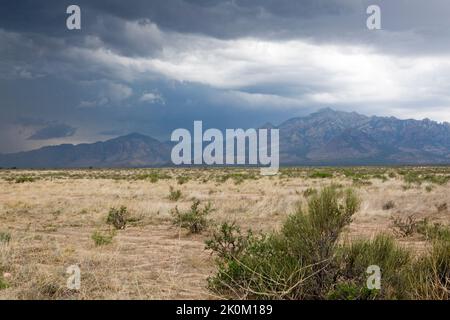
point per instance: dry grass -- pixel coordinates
(52, 217)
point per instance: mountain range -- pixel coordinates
(326, 137)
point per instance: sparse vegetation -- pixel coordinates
(174, 195)
(5, 237)
(103, 238)
(117, 217)
(50, 223)
(195, 220)
(389, 205)
(296, 263)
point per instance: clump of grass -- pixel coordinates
(430, 275)
(103, 238)
(195, 219)
(354, 259)
(117, 217)
(174, 195)
(320, 175)
(23, 179)
(389, 205)
(5, 237)
(3, 283)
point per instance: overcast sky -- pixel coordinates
(153, 66)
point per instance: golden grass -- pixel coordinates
(52, 219)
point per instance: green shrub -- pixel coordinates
(295, 263)
(23, 179)
(5, 237)
(195, 220)
(321, 175)
(102, 238)
(3, 283)
(382, 251)
(227, 241)
(430, 275)
(174, 195)
(117, 217)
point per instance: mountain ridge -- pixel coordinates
(325, 137)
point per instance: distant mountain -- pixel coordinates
(326, 137)
(330, 137)
(133, 150)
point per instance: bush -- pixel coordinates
(227, 241)
(101, 239)
(295, 263)
(174, 195)
(195, 220)
(5, 237)
(117, 217)
(405, 227)
(23, 179)
(389, 205)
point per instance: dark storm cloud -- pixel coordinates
(152, 66)
(53, 131)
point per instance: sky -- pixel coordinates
(154, 66)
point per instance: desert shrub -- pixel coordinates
(3, 283)
(351, 291)
(195, 220)
(23, 179)
(5, 237)
(409, 226)
(182, 179)
(102, 238)
(117, 217)
(389, 205)
(404, 227)
(295, 263)
(433, 231)
(383, 252)
(321, 175)
(174, 195)
(227, 241)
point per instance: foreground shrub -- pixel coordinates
(354, 259)
(304, 260)
(295, 263)
(228, 241)
(195, 220)
(117, 217)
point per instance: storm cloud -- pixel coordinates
(152, 66)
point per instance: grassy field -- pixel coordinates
(52, 219)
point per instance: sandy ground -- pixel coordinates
(52, 219)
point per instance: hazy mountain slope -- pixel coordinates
(326, 137)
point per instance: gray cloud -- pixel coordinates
(229, 62)
(53, 131)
